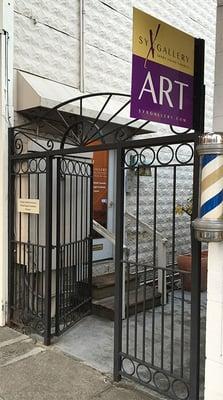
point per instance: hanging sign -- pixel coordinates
(162, 72)
(29, 206)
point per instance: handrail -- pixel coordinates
(148, 228)
(107, 235)
(111, 237)
(162, 258)
(104, 232)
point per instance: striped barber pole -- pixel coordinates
(211, 206)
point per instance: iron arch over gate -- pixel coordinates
(50, 236)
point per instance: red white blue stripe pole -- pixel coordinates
(209, 226)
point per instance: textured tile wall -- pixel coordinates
(47, 39)
(43, 44)
(165, 205)
(218, 101)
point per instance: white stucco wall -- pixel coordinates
(214, 328)
(47, 39)
(218, 99)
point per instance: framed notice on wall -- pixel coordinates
(162, 72)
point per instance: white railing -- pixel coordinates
(111, 237)
(104, 232)
(161, 254)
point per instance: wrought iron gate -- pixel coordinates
(50, 249)
(50, 242)
(157, 343)
(73, 240)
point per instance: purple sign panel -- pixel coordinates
(161, 94)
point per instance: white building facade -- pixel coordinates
(106, 41)
(58, 50)
(214, 328)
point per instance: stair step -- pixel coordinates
(105, 308)
(104, 285)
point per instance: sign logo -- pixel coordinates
(162, 72)
(152, 42)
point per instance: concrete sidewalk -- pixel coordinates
(30, 371)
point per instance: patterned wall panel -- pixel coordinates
(62, 15)
(110, 24)
(45, 52)
(50, 48)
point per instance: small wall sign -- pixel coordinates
(98, 247)
(29, 206)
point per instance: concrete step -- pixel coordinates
(104, 285)
(105, 308)
(103, 267)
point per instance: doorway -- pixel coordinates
(103, 202)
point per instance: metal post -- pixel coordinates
(90, 247)
(6, 101)
(58, 250)
(199, 98)
(48, 256)
(162, 264)
(118, 261)
(11, 209)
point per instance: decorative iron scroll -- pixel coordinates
(21, 138)
(28, 322)
(111, 124)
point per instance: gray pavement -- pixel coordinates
(30, 371)
(92, 339)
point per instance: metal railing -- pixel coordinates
(108, 235)
(161, 255)
(111, 237)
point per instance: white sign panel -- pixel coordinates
(29, 206)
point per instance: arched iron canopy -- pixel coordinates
(83, 120)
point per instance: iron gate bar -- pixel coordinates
(90, 243)
(118, 262)
(11, 197)
(58, 250)
(48, 265)
(154, 260)
(137, 255)
(199, 115)
(173, 266)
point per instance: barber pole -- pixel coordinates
(211, 186)
(209, 225)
